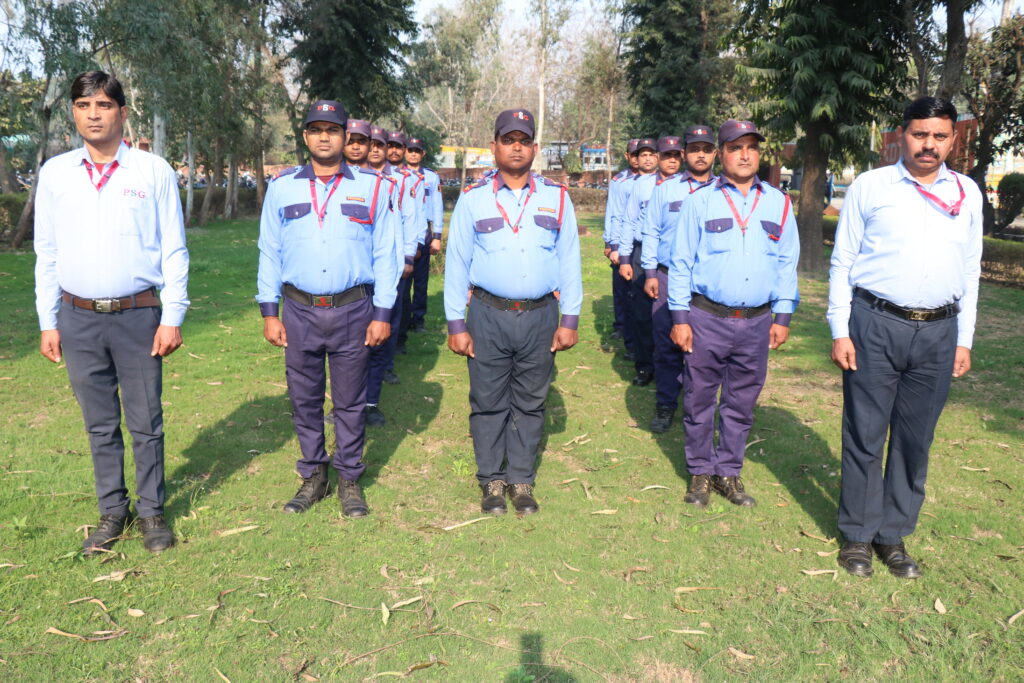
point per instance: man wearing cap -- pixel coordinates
(407, 237)
(426, 190)
(659, 229)
(612, 219)
(903, 296)
(108, 236)
(357, 142)
(733, 265)
(396, 157)
(654, 168)
(328, 250)
(513, 241)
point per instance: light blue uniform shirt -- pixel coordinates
(713, 256)
(662, 217)
(900, 246)
(611, 208)
(633, 217)
(621, 201)
(119, 241)
(404, 208)
(355, 246)
(425, 187)
(484, 251)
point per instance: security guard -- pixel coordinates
(659, 230)
(328, 249)
(650, 160)
(357, 142)
(396, 157)
(426, 189)
(612, 218)
(513, 241)
(108, 235)
(407, 235)
(733, 264)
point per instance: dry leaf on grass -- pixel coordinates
(642, 638)
(939, 607)
(690, 589)
(653, 486)
(569, 566)
(820, 572)
(238, 530)
(222, 676)
(604, 512)
(105, 635)
(384, 572)
(567, 583)
(403, 603)
(462, 524)
(823, 553)
(975, 469)
(688, 631)
(385, 613)
(1015, 617)
(132, 612)
(817, 538)
(115, 576)
(739, 654)
(629, 572)
(490, 606)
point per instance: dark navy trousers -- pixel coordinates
(382, 357)
(620, 299)
(669, 359)
(414, 305)
(640, 305)
(109, 366)
(337, 336)
(904, 370)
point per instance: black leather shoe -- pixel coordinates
(156, 537)
(374, 417)
(900, 564)
(699, 492)
(522, 499)
(643, 378)
(106, 532)
(390, 378)
(662, 419)
(856, 558)
(314, 488)
(493, 502)
(351, 496)
(732, 489)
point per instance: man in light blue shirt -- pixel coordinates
(733, 266)
(328, 251)
(612, 217)
(903, 296)
(426, 190)
(108, 235)
(514, 252)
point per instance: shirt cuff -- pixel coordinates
(269, 308)
(173, 316)
(783, 319)
(650, 273)
(457, 326)
(613, 246)
(435, 235)
(607, 245)
(570, 322)
(381, 315)
(680, 317)
(410, 260)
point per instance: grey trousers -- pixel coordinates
(508, 385)
(109, 366)
(904, 369)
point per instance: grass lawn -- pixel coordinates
(615, 579)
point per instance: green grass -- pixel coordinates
(567, 594)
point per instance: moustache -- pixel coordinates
(926, 153)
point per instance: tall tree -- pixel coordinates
(551, 17)
(823, 71)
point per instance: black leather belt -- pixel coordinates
(327, 300)
(144, 299)
(662, 268)
(503, 304)
(722, 311)
(915, 314)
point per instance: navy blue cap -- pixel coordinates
(415, 143)
(358, 127)
(330, 111)
(670, 143)
(631, 147)
(514, 119)
(699, 134)
(734, 130)
(397, 137)
(378, 134)
(646, 143)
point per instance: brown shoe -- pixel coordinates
(856, 558)
(699, 492)
(522, 499)
(732, 489)
(351, 496)
(900, 564)
(493, 502)
(314, 488)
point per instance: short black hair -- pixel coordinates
(94, 82)
(929, 108)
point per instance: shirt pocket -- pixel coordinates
(547, 236)
(773, 231)
(717, 235)
(675, 206)
(489, 233)
(357, 224)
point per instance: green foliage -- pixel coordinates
(431, 139)
(572, 163)
(11, 206)
(17, 95)
(1011, 199)
(1003, 261)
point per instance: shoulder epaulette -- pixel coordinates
(287, 171)
(549, 181)
(480, 183)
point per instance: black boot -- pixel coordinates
(156, 537)
(314, 487)
(106, 532)
(662, 419)
(351, 496)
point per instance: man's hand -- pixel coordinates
(608, 253)
(273, 331)
(614, 257)
(435, 247)
(166, 340)
(962, 362)
(844, 355)
(682, 336)
(377, 333)
(651, 287)
(406, 271)
(49, 345)
(777, 336)
(564, 339)
(461, 344)
(626, 271)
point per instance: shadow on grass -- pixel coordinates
(604, 317)
(532, 668)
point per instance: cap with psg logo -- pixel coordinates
(699, 134)
(415, 143)
(514, 119)
(646, 143)
(330, 111)
(669, 143)
(734, 130)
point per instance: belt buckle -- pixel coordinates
(516, 306)
(736, 313)
(918, 315)
(323, 300)
(106, 305)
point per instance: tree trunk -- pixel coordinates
(230, 187)
(539, 163)
(984, 155)
(24, 221)
(216, 175)
(7, 184)
(159, 135)
(608, 137)
(812, 193)
(910, 25)
(956, 50)
(1007, 13)
(190, 192)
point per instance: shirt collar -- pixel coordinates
(499, 182)
(121, 157)
(903, 174)
(307, 172)
(686, 175)
(721, 181)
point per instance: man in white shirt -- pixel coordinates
(903, 296)
(108, 236)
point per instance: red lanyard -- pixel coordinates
(104, 178)
(953, 210)
(736, 214)
(321, 210)
(501, 210)
(706, 182)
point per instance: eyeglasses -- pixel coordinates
(509, 140)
